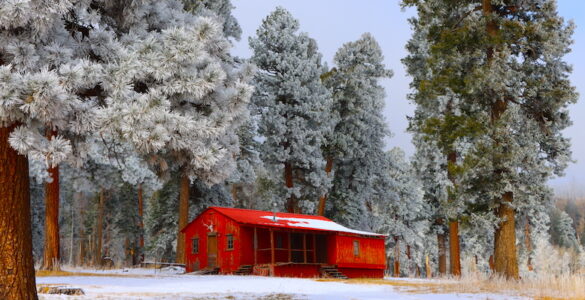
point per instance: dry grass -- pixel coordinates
(542, 288)
(45, 273)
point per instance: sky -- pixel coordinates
(334, 22)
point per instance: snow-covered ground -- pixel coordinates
(145, 284)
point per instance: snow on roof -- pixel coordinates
(286, 220)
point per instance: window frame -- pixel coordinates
(356, 248)
(195, 245)
(229, 239)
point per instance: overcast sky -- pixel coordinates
(334, 22)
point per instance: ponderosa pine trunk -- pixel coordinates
(528, 243)
(140, 218)
(99, 228)
(291, 204)
(183, 216)
(505, 256)
(51, 253)
(323, 198)
(17, 273)
(454, 249)
(442, 249)
(396, 257)
(428, 270)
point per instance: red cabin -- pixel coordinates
(244, 241)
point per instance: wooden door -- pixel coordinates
(212, 251)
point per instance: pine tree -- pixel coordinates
(500, 63)
(355, 146)
(294, 108)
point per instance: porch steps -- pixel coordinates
(243, 270)
(333, 272)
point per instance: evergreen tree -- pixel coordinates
(355, 146)
(218, 8)
(294, 108)
(499, 65)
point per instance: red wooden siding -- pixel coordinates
(228, 260)
(369, 255)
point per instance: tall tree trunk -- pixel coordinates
(183, 216)
(428, 270)
(291, 204)
(442, 247)
(140, 218)
(396, 257)
(528, 243)
(454, 250)
(51, 254)
(323, 199)
(17, 273)
(100, 228)
(505, 256)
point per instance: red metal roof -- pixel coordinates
(285, 220)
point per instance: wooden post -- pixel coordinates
(314, 249)
(255, 245)
(289, 248)
(305, 247)
(272, 247)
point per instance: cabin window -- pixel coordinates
(356, 248)
(195, 246)
(230, 241)
(279, 241)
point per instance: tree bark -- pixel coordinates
(396, 257)
(505, 256)
(140, 218)
(323, 199)
(183, 216)
(100, 228)
(17, 273)
(51, 254)
(291, 204)
(454, 250)
(528, 243)
(428, 270)
(441, 245)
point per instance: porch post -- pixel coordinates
(289, 248)
(305, 247)
(255, 246)
(314, 249)
(272, 246)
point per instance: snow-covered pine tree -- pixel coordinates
(400, 212)
(502, 62)
(355, 147)
(429, 166)
(46, 72)
(217, 8)
(294, 107)
(173, 96)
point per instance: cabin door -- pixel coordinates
(212, 250)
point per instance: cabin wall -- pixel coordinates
(212, 222)
(371, 252)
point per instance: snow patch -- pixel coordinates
(317, 224)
